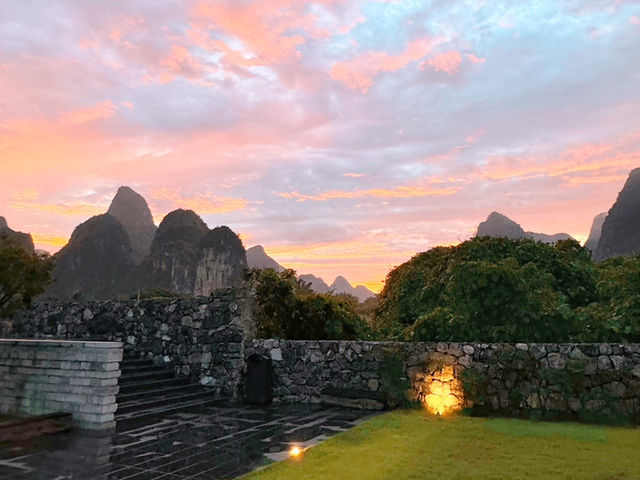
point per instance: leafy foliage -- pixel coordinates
(23, 275)
(288, 308)
(490, 289)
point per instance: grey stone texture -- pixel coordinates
(47, 376)
(500, 378)
(201, 337)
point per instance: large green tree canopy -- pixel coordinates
(490, 289)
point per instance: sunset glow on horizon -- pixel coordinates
(343, 136)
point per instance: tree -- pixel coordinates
(489, 289)
(23, 275)
(288, 308)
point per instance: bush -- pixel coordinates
(491, 290)
(23, 275)
(287, 308)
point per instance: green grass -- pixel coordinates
(410, 444)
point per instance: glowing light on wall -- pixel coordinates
(445, 394)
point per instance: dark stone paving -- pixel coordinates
(212, 442)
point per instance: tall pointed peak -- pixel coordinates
(132, 210)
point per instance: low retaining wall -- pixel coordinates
(555, 380)
(47, 376)
(202, 337)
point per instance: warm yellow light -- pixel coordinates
(295, 451)
(445, 393)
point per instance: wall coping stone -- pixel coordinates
(58, 343)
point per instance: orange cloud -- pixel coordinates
(98, 111)
(447, 62)
(398, 192)
(205, 204)
(65, 209)
(54, 241)
(358, 73)
(362, 262)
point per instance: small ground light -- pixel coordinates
(295, 452)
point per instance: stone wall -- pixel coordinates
(47, 376)
(546, 380)
(201, 337)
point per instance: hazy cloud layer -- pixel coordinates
(344, 136)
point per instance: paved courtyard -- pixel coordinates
(213, 442)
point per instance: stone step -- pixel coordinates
(138, 362)
(128, 369)
(161, 389)
(152, 384)
(175, 399)
(129, 378)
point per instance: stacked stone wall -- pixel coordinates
(201, 337)
(81, 378)
(554, 380)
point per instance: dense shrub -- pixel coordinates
(288, 308)
(490, 289)
(23, 275)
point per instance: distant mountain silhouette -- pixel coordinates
(96, 262)
(121, 252)
(24, 239)
(318, 285)
(498, 225)
(342, 285)
(596, 232)
(621, 228)
(132, 211)
(258, 258)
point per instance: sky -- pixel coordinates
(343, 136)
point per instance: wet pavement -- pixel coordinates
(207, 443)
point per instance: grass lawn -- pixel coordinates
(411, 444)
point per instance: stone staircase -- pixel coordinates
(148, 390)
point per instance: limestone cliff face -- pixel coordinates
(24, 239)
(96, 262)
(621, 229)
(174, 253)
(596, 232)
(132, 211)
(189, 259)
(221, 261)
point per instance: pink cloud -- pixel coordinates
(447, 62)
(180, 61)
(635, 20)
(98, 111)
(359, 72)
(396, 192)
(263, 28)
(475, 59)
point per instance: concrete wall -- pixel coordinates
(561, 380)
(47, 376)
(201, 337)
